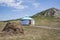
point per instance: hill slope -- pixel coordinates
(52, 12)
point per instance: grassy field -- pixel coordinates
(47, 21)
(33, 33)
(36, 33)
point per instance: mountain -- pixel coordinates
(51, 12)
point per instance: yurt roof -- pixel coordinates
(27, 18)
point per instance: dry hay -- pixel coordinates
(12, 28)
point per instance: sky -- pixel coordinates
(14, 9)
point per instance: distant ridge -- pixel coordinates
(51, 12)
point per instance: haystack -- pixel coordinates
(13, 28)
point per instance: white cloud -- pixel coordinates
(6, 1)
(18, 4)
(13, 3)
(36, 5)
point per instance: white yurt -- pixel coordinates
(27, 21)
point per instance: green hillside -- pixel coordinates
(48, 18)
(51, 12)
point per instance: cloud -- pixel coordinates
(13, 3)
(36, 5)
(19, 4)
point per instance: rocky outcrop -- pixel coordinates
(52, 12)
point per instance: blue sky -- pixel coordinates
(13, 9)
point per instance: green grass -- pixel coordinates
(47, 21)
(35, 33)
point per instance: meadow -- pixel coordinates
(33, 33)
(37, 33)
(47, 21)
